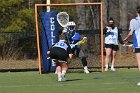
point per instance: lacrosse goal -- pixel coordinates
(89, 22)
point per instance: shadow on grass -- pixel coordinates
(73, 80)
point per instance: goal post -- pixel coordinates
(69, 5)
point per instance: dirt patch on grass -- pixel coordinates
(18, 64)
(123, 59)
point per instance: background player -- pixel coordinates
(112, 36)
(135, 31)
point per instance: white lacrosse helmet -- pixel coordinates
(71, 26)
(71, 23)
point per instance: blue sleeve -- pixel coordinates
(76, 37)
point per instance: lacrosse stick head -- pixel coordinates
(63, 19)
(83, 41)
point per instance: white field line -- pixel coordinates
(59, 84)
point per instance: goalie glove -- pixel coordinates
(64, 30)
(72, 46)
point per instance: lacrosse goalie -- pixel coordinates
(73, 38)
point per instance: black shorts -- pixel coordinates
(137, 50)
(58, 53)
(112, 46)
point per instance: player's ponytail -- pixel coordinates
(63, 36)
(138, 9)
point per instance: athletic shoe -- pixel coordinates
(106, 69)
(59, 79)
(86, 71)
(113, 69)
(63, 78)
(138, 84)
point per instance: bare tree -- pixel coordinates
(123, 13)
(105, 7)
(81, 22)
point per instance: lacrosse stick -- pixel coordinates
(63, 19)
(129, 44)
(83, 41)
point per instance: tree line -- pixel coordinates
(18, 16)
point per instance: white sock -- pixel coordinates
(112, 66)
(63, 72)
(85, 67)
(106, 66)
(59, 74)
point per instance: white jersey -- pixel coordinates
(135, 28)
(111, 36)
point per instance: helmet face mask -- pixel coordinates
(71, 26)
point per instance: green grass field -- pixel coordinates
(121, 81)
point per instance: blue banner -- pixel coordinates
(50, 36)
